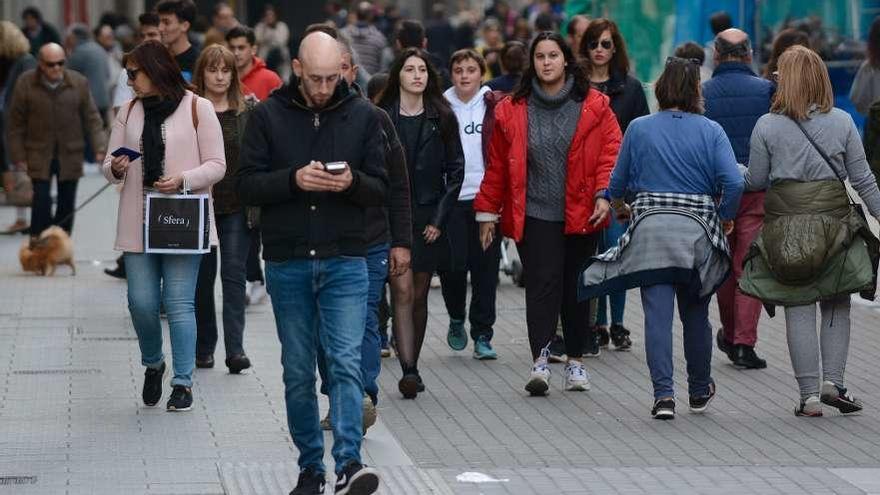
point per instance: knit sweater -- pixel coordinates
(780, 152)
(552, 122)
(225, 197)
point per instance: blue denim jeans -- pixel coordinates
(608, 239)
(169, 279)
(658, 302)
(234, 247)
(321, 303)
(371, 346)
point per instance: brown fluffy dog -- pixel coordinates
(43, 254)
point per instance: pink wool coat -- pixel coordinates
(198, 155)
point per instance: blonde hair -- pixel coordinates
(13, 43)
(803, 82)
(217, 55)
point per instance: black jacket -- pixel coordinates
(438, 171)
(627, 98)
(283, 135)
(395, 219)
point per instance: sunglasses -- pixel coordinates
(132, 74)
(606, 44)
(683, 61)
(51, 65)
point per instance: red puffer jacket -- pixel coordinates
(591, 158)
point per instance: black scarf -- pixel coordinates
(156, 110)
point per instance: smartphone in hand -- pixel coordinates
(130, 153)
(335, 168)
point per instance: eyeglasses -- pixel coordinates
(51, 65)
(132, 74)
(606, 44)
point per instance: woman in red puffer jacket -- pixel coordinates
(552, 151)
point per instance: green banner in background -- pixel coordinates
(652, 28)
(648, 26)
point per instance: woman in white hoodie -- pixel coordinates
(471, 104)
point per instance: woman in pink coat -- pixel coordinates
(179, 138)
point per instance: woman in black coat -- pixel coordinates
(604, 53)
(428, 131)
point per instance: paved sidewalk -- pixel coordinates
(71, 420)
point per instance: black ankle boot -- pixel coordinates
(237, 363)
(745, 357)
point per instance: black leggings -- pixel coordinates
(552, 262)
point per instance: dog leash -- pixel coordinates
(92, 197)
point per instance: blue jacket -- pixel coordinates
(736, 98)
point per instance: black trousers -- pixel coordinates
(41, 209)
(483, 267)
(552, 262)
(206, 316)
(254, 270)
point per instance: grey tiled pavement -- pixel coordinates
(71, 421)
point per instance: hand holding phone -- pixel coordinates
(119, 166)
(324, 177)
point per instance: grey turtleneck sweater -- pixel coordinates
(552, 122)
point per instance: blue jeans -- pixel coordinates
(657, 301)
(371, 346)
(234, 247)
(169, 279)
(608, 239)
(321, 303)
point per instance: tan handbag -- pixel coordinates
(22, 192)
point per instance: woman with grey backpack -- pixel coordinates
(815, 246)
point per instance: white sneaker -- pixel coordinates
(539, 378)
(576, 377)
(257, 293)
(810, 407)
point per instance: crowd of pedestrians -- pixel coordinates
(398, 151)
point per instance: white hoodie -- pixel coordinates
(470, 129)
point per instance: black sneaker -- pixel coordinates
(838, 397)
(356, 479)
(591, 345)
(602, 333)
(421, 386)
(745, 357)
(620, 338)
(181, 399)
(205, 362)
(724, 345)
(699, 404)
(153, 385)
(310, 482)
(663, 409)
(557, 350)
(237, 363)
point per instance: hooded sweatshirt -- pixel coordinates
(260, 80)
(470, 128)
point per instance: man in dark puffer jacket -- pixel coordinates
(735, 98)
(314, 241)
